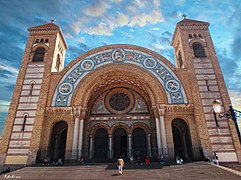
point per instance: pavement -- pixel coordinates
(195, 170)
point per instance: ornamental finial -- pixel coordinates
(52, 20)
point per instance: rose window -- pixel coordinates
(119, 101)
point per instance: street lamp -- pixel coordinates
(230, 114)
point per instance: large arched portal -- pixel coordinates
(113, 91)
(101, 143)
(58, 141)
(120, 142)
(139, 142)
(181, 138)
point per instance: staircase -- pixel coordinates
(197, 170)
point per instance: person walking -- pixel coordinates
(120, 164)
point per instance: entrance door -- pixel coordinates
(101, 143)
(139, 142)
(58, 141)
(181, 138)
(120, 143)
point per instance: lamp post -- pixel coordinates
(231, 113)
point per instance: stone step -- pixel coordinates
(197, 170)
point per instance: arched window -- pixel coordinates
(180, 59)
(57, 66)
(39, 55)
(198, 50)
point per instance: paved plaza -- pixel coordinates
(198, 170)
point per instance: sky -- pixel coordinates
(88, 24)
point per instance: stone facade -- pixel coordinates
(119, 95)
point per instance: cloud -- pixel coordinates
(11, 70)
(143, 19)
(106, 17)
(4, 105)
(76, 50)
(98, 9)
(161, 44)
(8, 74)
(117, 1)
(231, 68)
(235, 97)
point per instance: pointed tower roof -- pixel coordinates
(48, 27)
(187, 24)
(45, 26)
(186, 21)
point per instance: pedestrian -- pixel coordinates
(81, 160)
(120, 164)
(179, 160)
(148, 160)
(187, 158)
(138, 160)
(215, 158)
(161, 159)
(46, 161)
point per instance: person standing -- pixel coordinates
(215, 158)
(120, 164)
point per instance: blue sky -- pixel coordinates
(92, 23)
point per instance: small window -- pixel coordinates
(39, 55)
(37, 41)
(180, 61)
(42, 40)
(24, 122)
(190, 36)
(199, 35)
(195, 36)
(46, 40)
(57, 67)
(198, 50)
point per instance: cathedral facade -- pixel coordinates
(118, 100)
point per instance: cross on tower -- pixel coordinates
(184, 16)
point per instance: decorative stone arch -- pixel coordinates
(101, 93)
(99, 126)
(120, 125)
(56, 121)
(182, 118)
(202, 42)
(140, 125)
(147, 83)
(40, 46)
(145, 59)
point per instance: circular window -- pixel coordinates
(119, 101)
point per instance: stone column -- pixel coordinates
(129, 153)
(81, 131)
(110, 147)
(161, 111)
(80, 144)
(149, 144)
(158, 138)
(91, 146)
(75, 135)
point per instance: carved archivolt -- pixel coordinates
(166, 76)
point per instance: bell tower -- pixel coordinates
(194, 53)
(43, 55)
